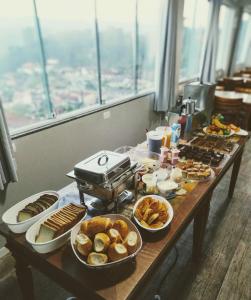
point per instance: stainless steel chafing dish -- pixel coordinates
(104, 175)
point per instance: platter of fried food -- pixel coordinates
(218, 128)
(195, 170)
(153, 213)
(105, 241)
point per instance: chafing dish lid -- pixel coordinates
(102, 162)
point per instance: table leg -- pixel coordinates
(24, 277)
(199, 228)
(235, 172)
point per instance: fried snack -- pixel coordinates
(131, 242)
(122, 227)
(117, 251)
(114, 235)
(151, 213)
(96, 225)
(83, 244)
(101, 242)
(97, 259)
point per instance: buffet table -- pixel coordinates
(124, 281)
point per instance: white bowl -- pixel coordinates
(49, 246)
(10, 216)
(113, 217)
(172, 186)
(168, 206)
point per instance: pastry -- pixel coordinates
(131, 242)
(83, 244)
(97, 259)
(101, 242)
(117, 251)
(157, 213)
(34, 208)
(122, 227)
(114, 235)
(59, 222)
(96, 225)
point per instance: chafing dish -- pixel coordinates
(104, 175)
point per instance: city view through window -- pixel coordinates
(49, 59)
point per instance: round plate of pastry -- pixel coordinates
(105, 241)
(153, 213)
(194, 170)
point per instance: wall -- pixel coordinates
(43, 158)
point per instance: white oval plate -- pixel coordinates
(113, 217)
(218, 135)
(168, 206)
(10, 216)
(241, 132)
(52, 245)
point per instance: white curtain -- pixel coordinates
(210, 55)
(166, 57)
(7, 162)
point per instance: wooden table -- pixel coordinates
(126, 281)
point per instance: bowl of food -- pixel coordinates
(26, 212)
(53, 230)
(153, 213)
(105, 241)
(167, 186)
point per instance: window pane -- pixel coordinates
(69, 40)
(226, 19)
(195, 20)
(148, 20)
(244, 40)
(21, 88)
(116, 27)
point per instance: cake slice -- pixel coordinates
(46, 234)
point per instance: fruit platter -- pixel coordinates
(218, 128)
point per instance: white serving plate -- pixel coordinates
(168, 206)
(49, 246)
(218, 135)
(10, 216)
(113, 217)
(241, 132)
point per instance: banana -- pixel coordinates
(219, 124)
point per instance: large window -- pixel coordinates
(195, 20)
(22, 88)
(61, 56)
(244, 40)
(226, 19)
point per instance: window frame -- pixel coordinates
(76, 114)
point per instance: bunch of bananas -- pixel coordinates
(216, 120)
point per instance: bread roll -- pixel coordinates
(83, 244)
(122, 227)
(96, 225)
(101, 242)
(131, 242)
(114, 235)
(117, 251)
(97, 259)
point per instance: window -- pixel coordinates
(226, 19)
(195, 19)
(21, 78)
(148, 27)
(61, 56)
(69, 45)
(116, 47)
(244, 40)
